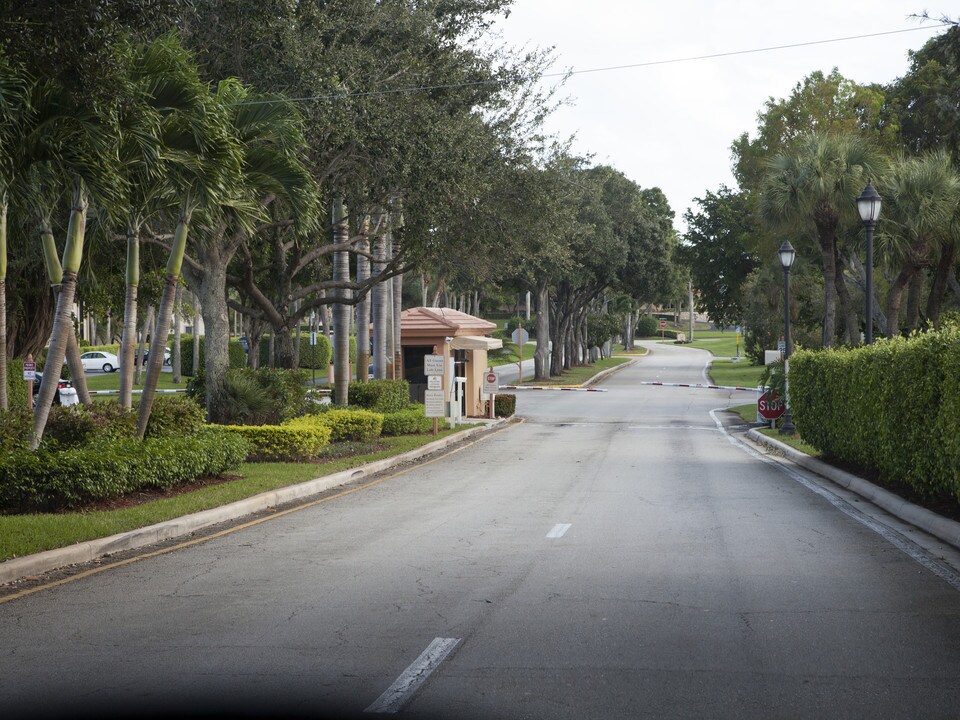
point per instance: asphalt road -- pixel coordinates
(617, 555)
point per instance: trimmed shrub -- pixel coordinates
(15, 426)
(647, 326)
(345, 424)
(504, 405)
(173, 415)
(79, 425)
(382, 396)
(893, 407)
(237, 355)
(50, 479)
(283, 443)
(411, 421)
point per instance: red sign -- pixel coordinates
(770, 406)
(663, 324)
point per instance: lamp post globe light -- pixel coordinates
(787, 256)
(868, 205)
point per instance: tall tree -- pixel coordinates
(811, 189)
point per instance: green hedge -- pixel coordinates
(382, 396)
(345, 423)
(238, 356)
(893, 406)
(647, 326)
(504, 404)
(411, 421)
(49, 479)
(283, 443)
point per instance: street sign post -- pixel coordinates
(490, 386)
(433, 365)
(770, 406)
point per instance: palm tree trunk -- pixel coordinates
(379, 308)
(144, 331)
(938, 290)
(341, 311)
(828, 256)
(196, 335)
(397, 306)
(363, 307)
(62, 324)
(55, 275)
(175, 365)
(158, 342)
(851, 327)
(895, 298)
(541, 358)
(913, 301)
(129, 336)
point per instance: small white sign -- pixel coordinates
(434, 402)
(434, 382)
(490, 383)
(433, 365)
(28, 370)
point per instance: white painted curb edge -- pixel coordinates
(926, 520)
(18, 568)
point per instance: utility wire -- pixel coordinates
(693, 58)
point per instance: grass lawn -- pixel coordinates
(508, 354)
(579, 375)
(735, 374)
(749, 414)
(26, 534)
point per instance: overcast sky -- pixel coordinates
(671, 125)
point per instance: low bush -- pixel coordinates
(647, 326)
(173, 415)
(16, 385)
(411, 421)
(382, 396)
(78, 425)
(283, 443)
(504, 405)
(345, 423)
(51, 479)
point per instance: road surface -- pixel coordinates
(616, 555)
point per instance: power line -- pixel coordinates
(651, 63)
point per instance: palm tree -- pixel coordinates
(920, 199)
(264, 171)
(811, 189)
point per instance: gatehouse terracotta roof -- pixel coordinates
(431, 322)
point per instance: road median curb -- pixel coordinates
(89, 550)
(930, 522)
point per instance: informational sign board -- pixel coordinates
(520, 337)
(434, 402)
(490, 383)
(433, 365)
(434, 382)
(28, 369)
(770, 406)
(781, 346)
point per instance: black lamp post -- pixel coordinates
(868, 205)
(787, 256)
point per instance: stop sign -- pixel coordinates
(770, 406)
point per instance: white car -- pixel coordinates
(99, 360)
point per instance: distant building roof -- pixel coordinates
(432, 321)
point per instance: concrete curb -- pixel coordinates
(926, 520)
(603, 374)
(29, 565)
